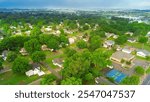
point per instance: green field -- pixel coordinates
(9, 78)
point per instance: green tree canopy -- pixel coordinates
(21, 65)
(48, 79)
(38, 56)
(121, 40)
(11, 56)
(81, 44)
(139, 70)
(71, 81)
(69, 52)
(32, 45)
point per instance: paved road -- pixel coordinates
(102, 80)
(146, 81)
(4, 71)
(36, 82)
(56, 73)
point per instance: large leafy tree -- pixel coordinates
(121, 39)
(48, 79)
(95, 43)
(20, 65)
(69, 52)
(11, 56)
(13, 43)
(77, 65)
(71, 81)
(32, 45)
(100, 58)
(53, 44)
(38, 56)
(140, 70)
(81, 44)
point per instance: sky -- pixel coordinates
(124, 4)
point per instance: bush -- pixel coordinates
(140, 70)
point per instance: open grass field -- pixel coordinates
(9, 78)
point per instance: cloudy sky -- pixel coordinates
(134, 4)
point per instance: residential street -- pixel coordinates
(36, 82)
(146, 81)
(4, 71)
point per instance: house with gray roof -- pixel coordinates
(128, 49)
(4, 55)
(119, 56)
(108, 44)
(142, 53)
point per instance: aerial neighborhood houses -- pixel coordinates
(108, 44)
(4, 55)
(36, 70)
(58, 62)
(128, 49)
(119, 56)
(108, 35)
(142, 53)
(129, 33)
(131, 40)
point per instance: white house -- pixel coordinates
(148, 34)
(128, 49)
(143, 53)
(131, 40)
(71, 40)
(108, 44)
(29, 73)
(129, 33)
(58, 62)
(4, 55)
(35, 71)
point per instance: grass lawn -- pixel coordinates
(7, 64)
(139, 45)
(53, 55)
(9, 78)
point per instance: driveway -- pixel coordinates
(56, 73)
(5, 70)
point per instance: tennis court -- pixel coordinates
(116, 75)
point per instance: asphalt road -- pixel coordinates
(146, 81)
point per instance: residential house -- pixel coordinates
(1, 37)
(148, 34)
(4, 55)
(129, 33)
(58, 62)
(108, 35)
(131, 40)
(119, 56)
(143, 53)
(109, 44)
(45, 48)
(118, 48)
(48, 29)
(128, 49)
(35, 71)
(72, 40)
(28, 32)
(23, 51)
